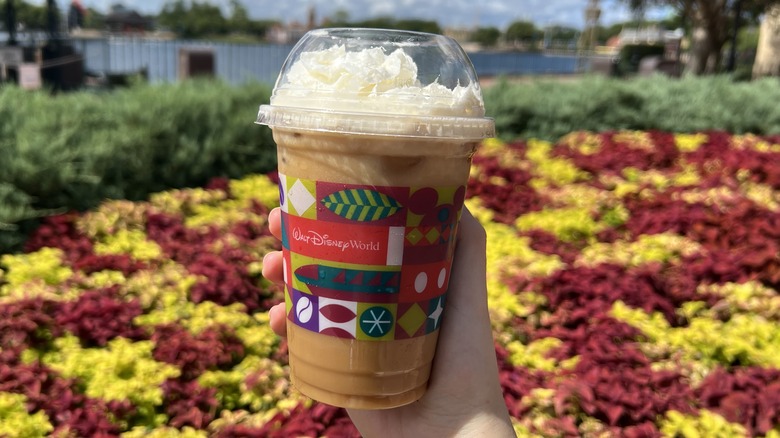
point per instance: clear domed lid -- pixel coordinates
(379, 82)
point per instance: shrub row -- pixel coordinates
(69, 152)
(72, 151)
(550, 109)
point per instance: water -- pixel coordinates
(520, 63)
(237, 63)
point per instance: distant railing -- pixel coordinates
(238, 63)
(235, 63)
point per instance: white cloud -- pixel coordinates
(382, 8)
(502, 7)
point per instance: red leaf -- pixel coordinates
(336, 313)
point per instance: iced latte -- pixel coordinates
(375, 131)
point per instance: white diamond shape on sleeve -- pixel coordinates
(283, 198)
(300, 198)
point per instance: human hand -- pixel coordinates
(464, 396)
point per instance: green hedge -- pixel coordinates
(549, 109)
(71, 151)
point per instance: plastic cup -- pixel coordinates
(375, 131)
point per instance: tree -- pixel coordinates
(382, 22)
(259, 28)
(603, 34)
(239, 18)
(94, 19)
(28, 16)
(339, 18)
(52, 18)
(561, 37)
(714, 22)
(768, 55)
(563, 33)
(385, 22)
(172, 16)
(486, 36)
(419, 25)
(522, 32)
(193, 19)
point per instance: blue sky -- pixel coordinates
(449, 13)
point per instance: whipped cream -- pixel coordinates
(372, 81)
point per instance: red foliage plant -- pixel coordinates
(717, 156)
(227, 280)
(749, 396)
(189, 404)
(509, 200)
(248, 231)
(69, 410)
(548, 243)
(178, 242)
(219, 183)
(662, 213)
(123, 263)
(27, 323)
(603, 334)
(60, 232)
(615, 155)
(517, 382)
(740, 237)
(578, 294)
(98, 316)
(622, 390)
(213, 348)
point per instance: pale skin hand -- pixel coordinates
(464, 397)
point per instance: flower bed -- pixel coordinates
(633, 281)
